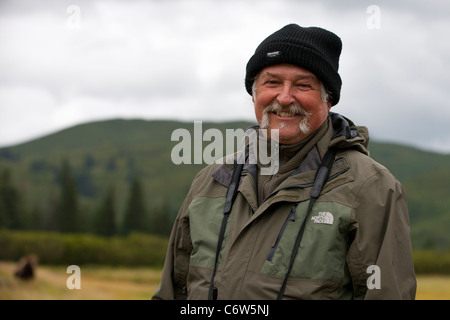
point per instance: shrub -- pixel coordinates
(432, 261)
(66, 249)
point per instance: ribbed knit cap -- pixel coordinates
(312, 48)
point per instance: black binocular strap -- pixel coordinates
(321, 177)
(231, 195)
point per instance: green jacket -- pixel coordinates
(359, 221)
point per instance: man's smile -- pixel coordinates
(286, 114)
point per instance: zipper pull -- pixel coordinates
(290, 218)
(293, 213)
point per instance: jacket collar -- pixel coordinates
(344, 135)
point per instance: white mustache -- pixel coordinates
(294, 108)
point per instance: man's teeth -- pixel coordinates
(285, 114)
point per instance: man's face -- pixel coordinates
(288, 98)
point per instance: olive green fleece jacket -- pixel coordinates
(356, 243)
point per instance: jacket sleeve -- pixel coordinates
(176, 264)
(380, 255)
(176, 267)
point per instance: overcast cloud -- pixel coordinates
(67, 62)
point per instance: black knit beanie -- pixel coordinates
(312, 48)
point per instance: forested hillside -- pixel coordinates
(117, 176)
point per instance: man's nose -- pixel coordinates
(285, 97)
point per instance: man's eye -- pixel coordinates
(304, 85)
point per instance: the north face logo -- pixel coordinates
(324, 218)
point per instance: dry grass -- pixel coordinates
(103, 283)
(433, 287)
(97, 283)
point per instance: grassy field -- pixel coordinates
(103, 283)
(97, 283)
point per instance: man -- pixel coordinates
(330, 223)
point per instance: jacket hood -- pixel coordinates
(347, 135)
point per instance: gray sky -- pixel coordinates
(68, 62)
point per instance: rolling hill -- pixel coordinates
(113, 153)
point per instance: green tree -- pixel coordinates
(10, 208)
(68, 200)
(161, 220)
(135, 212)
(105, 223)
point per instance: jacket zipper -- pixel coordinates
(291, 217)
